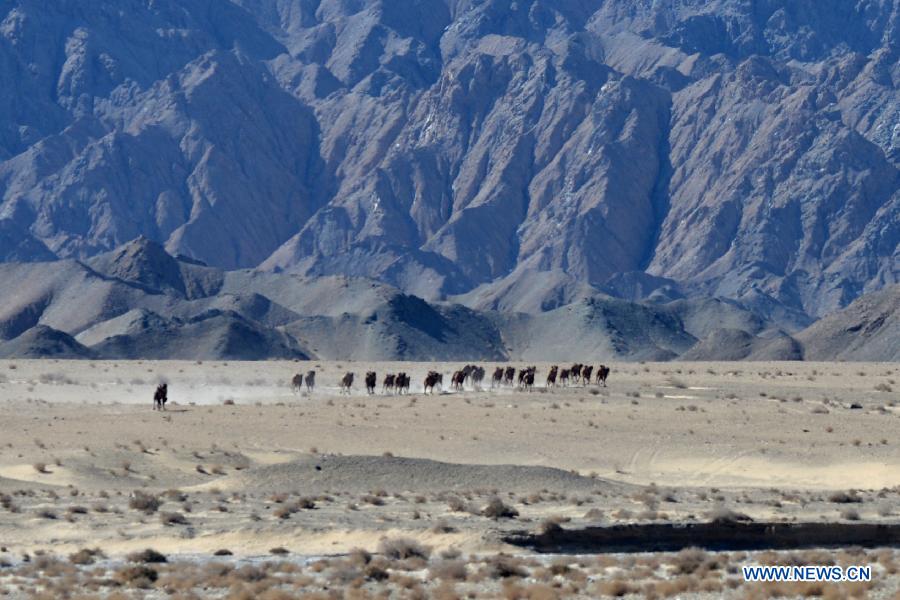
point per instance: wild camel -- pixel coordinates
(526, 377)
(371, 380)
(551, 376)
(310, 381)
(402, 383)
(477, 377)
(497, 377)
(388, 384)
(586, 375)
(161, 396)
(457, 381)
(297, 383)
(432, 379)
(602, 374)
(509, 375)
(575, 373)
(346, 383)
(564, 377)
(528, 383)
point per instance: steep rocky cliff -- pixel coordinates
(468, 149)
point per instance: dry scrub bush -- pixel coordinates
(85, 556)
(144, 502)
(503, 566)
(850, 497)
(403, 548)
(136, 576)
(172, 518)
(453, 570)
(147, 556)
(496, 509)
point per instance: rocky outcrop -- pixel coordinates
(868, 329)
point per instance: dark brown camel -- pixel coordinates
(432, 379)
(509, 375)
(497, 377)
(457, 381)
(575, 373)
(528, 383)
(297, 383)
(161, 396)
(602, 374)
(586, 374)
(551, 376)
(346, 383)
(477, 377)
(402, 383)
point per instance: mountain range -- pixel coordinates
(642, 178)
(139, 302)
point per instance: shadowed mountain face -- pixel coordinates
(452, 148)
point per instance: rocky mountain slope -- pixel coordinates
(138, 301)
(509, 155)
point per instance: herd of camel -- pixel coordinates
(523, 379)
(471, 374)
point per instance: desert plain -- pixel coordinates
(247, 488)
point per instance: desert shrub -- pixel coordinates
(147, 556)
(456, 504)
(305, 503)
(144, 502)
(850, 514)
(723, 514)
(176, 495)
(496, 509)
(136, 576)
(689, 560)
(453, 570)
(850, 497)
(403, 548)
(172, 518)
(85, 556)
(503, 566)
(615, 588)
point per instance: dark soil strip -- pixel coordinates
(660, 537)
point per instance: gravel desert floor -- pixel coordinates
(249, 489)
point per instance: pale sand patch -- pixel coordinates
(739, 438)
(55, 475)
(748, 471)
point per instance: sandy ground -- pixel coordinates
(240, 461)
